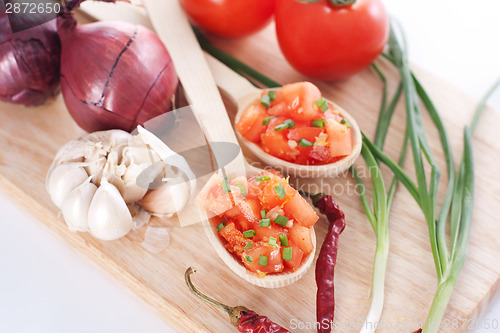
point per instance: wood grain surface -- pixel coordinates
(31, 136)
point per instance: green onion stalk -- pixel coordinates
(456, 209)
(378, 215)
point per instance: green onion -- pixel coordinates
(249, 233)
(262, 178)
(272, 242)
(345, 122)
(266, 120)
(272, 95)
(281, 220)
(265, 223)
(280, 191)
(220, 226)
(318, 123)
(225, 185)
(265, 101)
(305, 143)
(322, 104)
(249, 244)
(287, 254)
(283, 240)
(262, 260)
(242, 189)
(289, 123)
(263, 213)
(249, 259)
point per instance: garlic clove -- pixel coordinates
(75, 207)
(168, 199)
(109, 217)
(134, 191)
(63, 179)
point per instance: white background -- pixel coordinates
(45, 287)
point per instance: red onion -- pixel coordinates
(29, 62)
(114, 75)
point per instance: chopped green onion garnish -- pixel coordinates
(249, 233)
(318, 123)
(281, 220)
(272, 242)
(265, 223)
(263, 213)
(242, 189)
(284, 240)
(272, 94)
(225, 185)
(220, 226)
(289, 123)
(262, 260)
(249, 259)
(287, 253)
(262, 178)
(280, 191)
(344, 122)
(247, 246)
(322, 104)
(305, 143)
(266, 101)
(266, 120)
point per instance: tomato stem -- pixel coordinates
(340, 3)
(336, 3)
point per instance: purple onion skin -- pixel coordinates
(114, 75)
(29, 63)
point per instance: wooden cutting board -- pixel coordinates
(31, 136)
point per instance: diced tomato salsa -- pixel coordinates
(263, 221)
(298, 125)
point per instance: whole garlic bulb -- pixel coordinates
(94, 181)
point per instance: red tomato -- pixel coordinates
(297, 255)
(250, 123)
(274, 230)
(300, 210)
(331, 43)
(301, 236)
(235, 239)
(273, 254)
(300, 97)
(308, 133)
(229, 18)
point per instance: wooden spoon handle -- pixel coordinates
(235, 85)
(173, 29)
(175, 32)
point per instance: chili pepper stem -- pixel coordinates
(314, 197)
(233, 312)
(378, 284)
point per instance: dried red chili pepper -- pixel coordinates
(246, 320)
(325, 265)
(418, 331)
